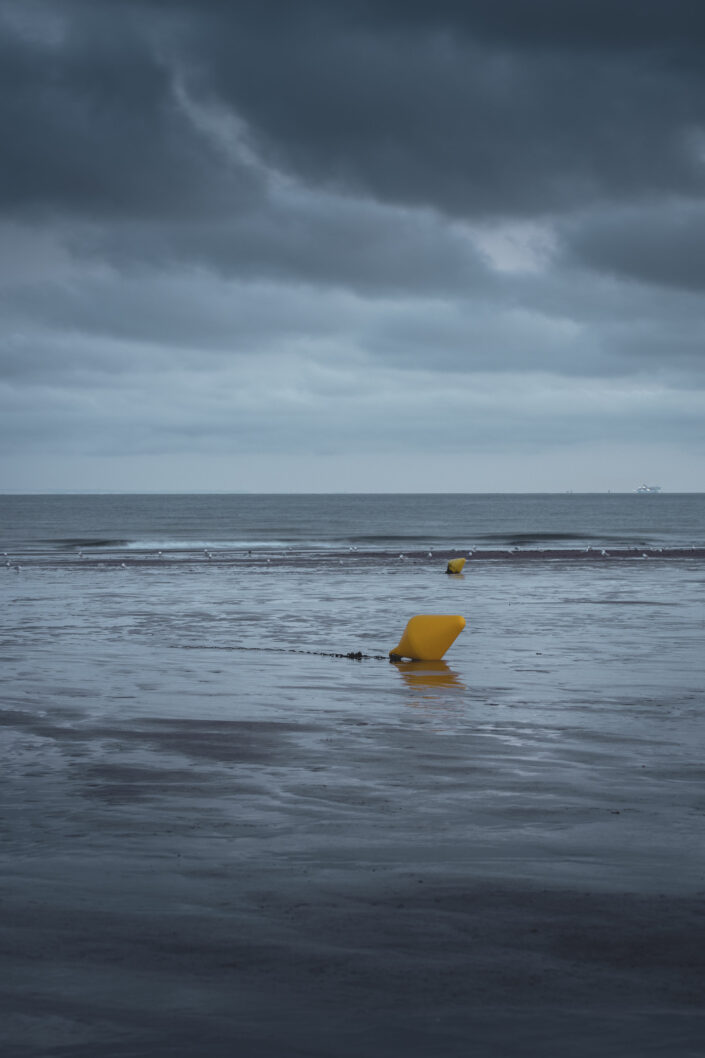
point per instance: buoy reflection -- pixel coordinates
(434, 674)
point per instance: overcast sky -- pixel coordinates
(366, 245)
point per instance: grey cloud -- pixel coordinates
(569, 322)
(413, 111)
(90, 124)
(269, 227)
(579, 25)
(505, 108)
(473, 336)
(161, 415)
(303, 238)
(662, 244)
(105, 322)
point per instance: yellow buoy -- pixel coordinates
(455, 565)
(428, 636)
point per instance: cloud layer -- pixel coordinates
(329, 230)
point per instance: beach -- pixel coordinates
(220, 839)
(352, 529)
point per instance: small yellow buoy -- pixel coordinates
(455, 565)
(428, 636)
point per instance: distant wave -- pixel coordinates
(380, 539)
(204, 545)
(501, 539)
(80, 542)
(528, 539)
(161, 544)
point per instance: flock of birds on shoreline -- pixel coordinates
(210, 555)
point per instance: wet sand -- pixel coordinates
(208, 852)
(185, 886)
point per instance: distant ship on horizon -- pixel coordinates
(649, 488)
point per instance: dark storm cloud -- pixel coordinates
(579, 24)
(90, 123)
(475, 109)
(506, 108)
(663, 245)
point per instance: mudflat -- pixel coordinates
(209, 850)
(340, 885)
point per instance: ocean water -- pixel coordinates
(44, 524)
(181, 736)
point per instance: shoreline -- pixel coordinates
(349, 557)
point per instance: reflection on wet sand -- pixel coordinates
(425, 674)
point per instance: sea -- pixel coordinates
(334, 572)
(56, 526)
(203, 737)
